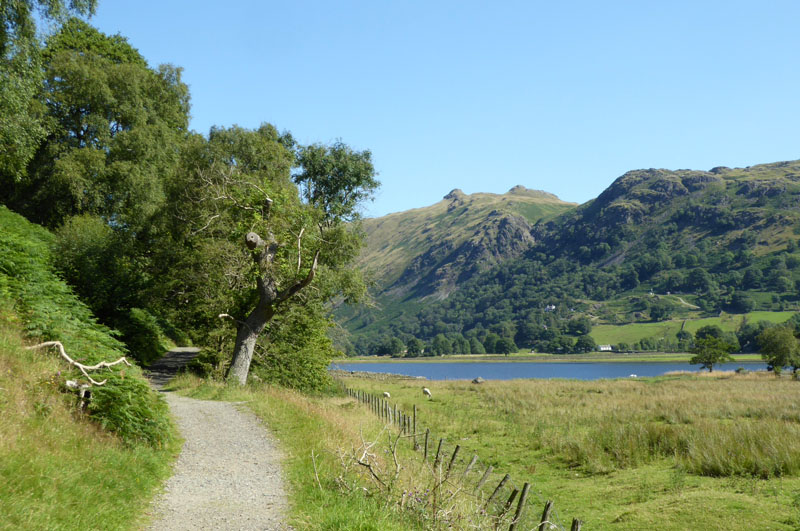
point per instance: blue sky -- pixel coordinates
(558, 96)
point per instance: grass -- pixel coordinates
(324, 427)
(675, 452)
(58, 470)
(320, 436)
(633, 332)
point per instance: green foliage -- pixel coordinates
(22, 126)
(779, 347)
(709, 351)
(114, 128)
(50, 311)
(336, 179)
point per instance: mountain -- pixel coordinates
(428, 252)
(656, 244)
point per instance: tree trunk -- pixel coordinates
(246, 338)
(268, 298)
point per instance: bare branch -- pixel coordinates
(299, 249)
(303, 283)
(83, 368)
(204, 227)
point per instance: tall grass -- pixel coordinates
(57, 469)
(742, 425)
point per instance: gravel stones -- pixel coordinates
(228, 475)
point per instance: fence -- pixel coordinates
(490, 499)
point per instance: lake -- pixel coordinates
(511, 370)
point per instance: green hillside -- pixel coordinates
(657, 245)
(46, 440)
(431, 250)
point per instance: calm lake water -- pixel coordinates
(509, 371)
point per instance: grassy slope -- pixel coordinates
(394, 240)
(628, 454)
(58, 470)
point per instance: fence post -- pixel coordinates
(546, 515)
(452, 460)
(483, 478)
(497, 489)
(470, 465)
(507, 506)
(425, 455)
(414, 428)
(438, 454)
(576, 525)
(522, 498)
(394, 415)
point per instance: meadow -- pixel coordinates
(633, 332)
(675, 452)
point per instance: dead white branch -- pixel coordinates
(83, 368)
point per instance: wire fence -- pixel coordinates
(494, 492)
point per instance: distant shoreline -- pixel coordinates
(639, 357)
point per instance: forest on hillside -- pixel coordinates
(655, 246)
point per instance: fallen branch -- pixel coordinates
(83, 368)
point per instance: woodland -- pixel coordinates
(236, 240)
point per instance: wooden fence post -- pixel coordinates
(508, 505)
(576, 525)
(425, 455)
(497, 490)
(546, 515)
(438, 454)
(470, 465)
(452, 460)
(522, 498)
(483, 478)
(414, 429)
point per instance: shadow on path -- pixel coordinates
(162, 371)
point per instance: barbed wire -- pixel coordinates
(494, 491)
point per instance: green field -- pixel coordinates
(633, 332)
(663, 453)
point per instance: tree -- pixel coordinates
(779, 347)
(709, 351)
(585, 344)
(22, 124)
(505, 345)
(252, 245)
(415, 347)
(115, 131)
(708, 331)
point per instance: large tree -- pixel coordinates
(22, 126)
(256, 247)
(779, 347)
(709, 351)
(115, 126)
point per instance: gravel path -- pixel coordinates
(228, 474)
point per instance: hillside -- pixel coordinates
(46, 437)
(431, 250)
(655, 245)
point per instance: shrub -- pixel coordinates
(50, 311)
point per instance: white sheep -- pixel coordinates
(426, 392)
(386, 394)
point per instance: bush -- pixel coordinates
(50, 311)
(143, 335)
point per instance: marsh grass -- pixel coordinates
(633, 443)
(58, 470)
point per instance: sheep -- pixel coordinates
(426, 392)
(386, 394)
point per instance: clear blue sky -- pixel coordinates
(557, 96)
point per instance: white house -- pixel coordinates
(604, 348)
